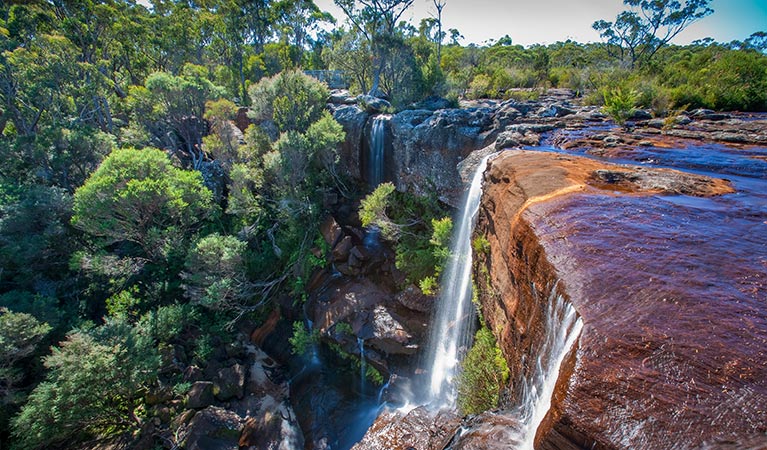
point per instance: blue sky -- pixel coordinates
(546, 21)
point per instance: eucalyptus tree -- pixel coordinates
(439, 5)
(377, 21)
(648, 25)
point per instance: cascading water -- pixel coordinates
(562, 328)
(377, 155)
(452, 330)
(453, 322)
(363, 366)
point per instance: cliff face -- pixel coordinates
(669, 279)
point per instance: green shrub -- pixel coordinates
(94, 387)
(484, 373)
(479, 87)
(291, 99)
(619, 104)
(481, 245)
(166, 322)
(302, 339)
(429, 285)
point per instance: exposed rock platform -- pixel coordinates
(668, 272)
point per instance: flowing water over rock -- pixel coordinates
(667, 271)
(451, 331)
(377, 156)
(453, 322)
(562, 328)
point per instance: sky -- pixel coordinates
(530, 22)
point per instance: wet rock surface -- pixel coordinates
(488, 431)
(364, 334)
(419, 429)
(667, 270)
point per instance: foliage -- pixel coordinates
(619, 105)
(418, 227)
(137, 196)
(88, 231)
(172, 107)
(302, 339)
(124, 304)
(214, 273)
(95, 382)
(166, 323)
(650, 24)
(429, 285)
(20, 335)
(373, 211)
(484, 373)
(35, 240)
(481, 245)
(377, 22)
(292, 100)
(223, 143)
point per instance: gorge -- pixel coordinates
(622, 275)
(627, 253)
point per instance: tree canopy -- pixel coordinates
(650, 24)
(138, 196)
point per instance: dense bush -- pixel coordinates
(484, 373)
(95, 384)
(417, 226)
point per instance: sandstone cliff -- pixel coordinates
(670, 288)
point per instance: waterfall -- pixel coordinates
(363, 366)
(452, 325)
(562, 327)
(376, 157)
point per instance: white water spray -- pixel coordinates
(453, 322)
(562, 328)
(376, 158)
(363, 366)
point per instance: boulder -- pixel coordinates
(213, 429)
(200, 395)
(419, 429)
(531, 139)
(412, 298)
(707, 114)
(345, 301)
(433, 103)
(230, 382)
(389, 334)
(331, 231)
(342, 97)
(491, 430)
(353, 120)
(659, 267)
(554, 111)
(373, 105)
(357, 256)
(641, 114)
(242, 121)
(508, 139)
(341, 250)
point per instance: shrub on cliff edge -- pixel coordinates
(484, 373)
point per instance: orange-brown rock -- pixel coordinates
(259, 334)
(669, 276)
